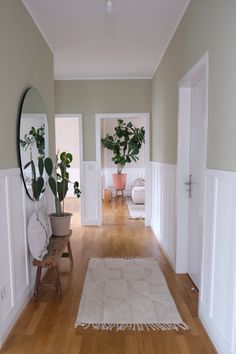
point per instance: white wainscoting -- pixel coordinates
(17, 274)
(163, 216)
(90, 205)
(132, 174)
(217, 303)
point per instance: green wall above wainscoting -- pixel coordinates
(101, 96)
(208, 25)
(25, 60)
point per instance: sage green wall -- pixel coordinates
(25, 60)
(101, 96)
(208, 25)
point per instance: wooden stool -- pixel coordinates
(56, 247)
(107, 195)
(119, 190)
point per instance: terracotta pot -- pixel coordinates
(119, 181)
(60, 224)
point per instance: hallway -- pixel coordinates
(47, 327)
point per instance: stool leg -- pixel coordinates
(70, 252)
(37, 283)
(57, 282)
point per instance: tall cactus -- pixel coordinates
(37, 182)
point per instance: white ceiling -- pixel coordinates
(89, 43)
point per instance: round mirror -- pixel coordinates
(32, 138)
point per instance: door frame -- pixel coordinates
(199, 71)
(80, 121)
(146, 116)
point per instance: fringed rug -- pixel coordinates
(136, 211)
(127, 294)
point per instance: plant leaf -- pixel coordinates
(48, 166)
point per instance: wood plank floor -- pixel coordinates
(47, 327)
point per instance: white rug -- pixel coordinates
(127, 294)
(136, 211)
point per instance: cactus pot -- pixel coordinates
(60, 224)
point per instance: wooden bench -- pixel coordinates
(56, 247)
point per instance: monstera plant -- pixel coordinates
(125, 144)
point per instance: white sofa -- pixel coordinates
(138, 191)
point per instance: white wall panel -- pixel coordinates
(17, 273)
(89, 198)
(218, 293)
(217, 301)
(6, 276)
(163, 220)
(18, 233)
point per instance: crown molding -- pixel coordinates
(79, 78)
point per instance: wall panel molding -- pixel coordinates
(163, 217)
(90, 193)
(17, 280)
(217, 304)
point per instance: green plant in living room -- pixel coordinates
(59, 187)
(125, 144)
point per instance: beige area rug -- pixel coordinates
(136, 211)
(127, 294)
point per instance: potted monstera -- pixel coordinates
(58, 180)
(125, 144)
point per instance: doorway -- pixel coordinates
(100, 119)
(191, 166)
(68, 133)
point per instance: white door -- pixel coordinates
(196, 179)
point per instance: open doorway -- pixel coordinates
(136, 193)
(68, 132)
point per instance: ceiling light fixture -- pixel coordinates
(109, 6)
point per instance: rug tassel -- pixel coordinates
(134, 326)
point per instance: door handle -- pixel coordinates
(189, 184)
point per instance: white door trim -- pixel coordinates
(146, 116)
(198, 72)
(80, 120)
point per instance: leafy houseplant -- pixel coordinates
(59, 188)
(125, 144)
(35, 138)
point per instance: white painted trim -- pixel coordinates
(146, 116)
(183, 148)
(10, 172)
(229, 175)
(89, 189)
(217, 301)
(27, 297)
(79, 78)
(218, 342)
(80, 120)
(213, 260)
(170, 39)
